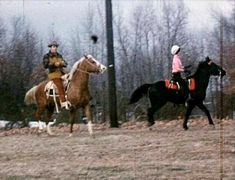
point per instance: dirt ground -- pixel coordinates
(130, 152)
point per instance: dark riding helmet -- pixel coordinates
(53, 43)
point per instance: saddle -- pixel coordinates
(172, 85)
(191, 84)
(51, 89)
(176, 86)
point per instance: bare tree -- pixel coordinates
(2, 38)
(21, 53)
(173, 24)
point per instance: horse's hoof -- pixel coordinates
(212, 126)
(151, 123)
(40, 131)
(185, 127)
(92, 136)
(51, 134)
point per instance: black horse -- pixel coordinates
(159, 94)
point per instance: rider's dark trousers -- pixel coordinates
(176, 77)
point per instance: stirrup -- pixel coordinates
(65, 105)
(178, 85)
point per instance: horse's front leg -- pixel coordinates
(150, 116)
(206, 111)
(50, 110)
(38, 117)
(72, 119)
(89, 116)
(190, 107)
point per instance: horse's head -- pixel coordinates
(87, 64)
(91, 65)
(212, 68)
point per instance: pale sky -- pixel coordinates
(65, 15)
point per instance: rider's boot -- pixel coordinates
(65, 105)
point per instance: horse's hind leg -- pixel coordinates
(72, 119)
(206, 111)
(150, 116)
(151, 112)
(190, 107)
(38, 116)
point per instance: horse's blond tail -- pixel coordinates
(30, 96)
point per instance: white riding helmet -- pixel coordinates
(175, 49)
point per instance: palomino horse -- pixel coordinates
(77, 93)
(159, 94)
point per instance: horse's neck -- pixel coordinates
(80, 80)
(202, 80)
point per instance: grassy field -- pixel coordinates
(130, 152)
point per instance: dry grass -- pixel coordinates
(130, 152)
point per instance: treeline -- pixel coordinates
(20, 51)
(142, 55)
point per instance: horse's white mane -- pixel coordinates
(74, 67)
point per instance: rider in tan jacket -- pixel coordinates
(54, 62)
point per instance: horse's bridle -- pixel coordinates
(219, 68)
(86, 59)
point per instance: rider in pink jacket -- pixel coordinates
(176, 63)
(177, 68)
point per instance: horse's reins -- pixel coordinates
(78, 69)
(220, 71)
(81, 70)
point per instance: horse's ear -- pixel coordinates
(85, 55)
(207, 59)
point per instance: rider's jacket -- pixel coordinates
(55, 63)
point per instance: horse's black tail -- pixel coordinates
(139, 92)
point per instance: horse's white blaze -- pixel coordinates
(89, 126)
(102, 68)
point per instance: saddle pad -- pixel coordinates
(171, 85)
(50, 88)
(191, 84)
